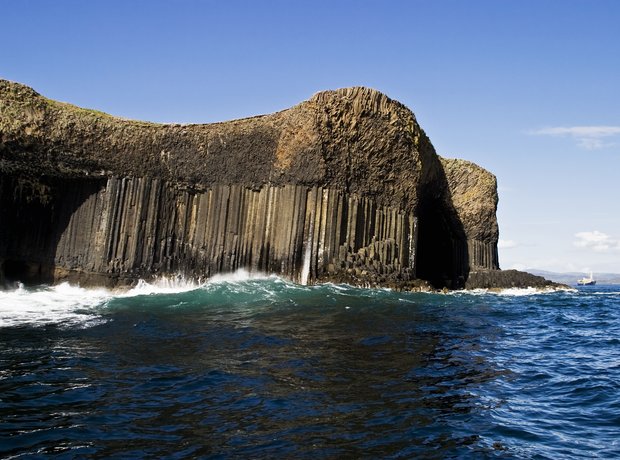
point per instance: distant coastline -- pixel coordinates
(571, 278)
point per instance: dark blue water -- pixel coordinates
(261, 368)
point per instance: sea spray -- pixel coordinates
(44, 305)
(164, 285)
(305, 269)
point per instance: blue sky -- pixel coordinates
(528, 89)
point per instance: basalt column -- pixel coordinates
(472, 198)
(139, 227)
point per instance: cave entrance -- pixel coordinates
(35, 213)
(16, 270)
(441, 250)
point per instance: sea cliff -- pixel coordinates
(345, 186)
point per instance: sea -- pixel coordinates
(257, 367)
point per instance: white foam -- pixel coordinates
(179, 283)
(61, 304)
(511, 292)
(520, 292)
(72, 305)
(163, 285)
(305, 269)
(533, 291)
(238, 276)
(614, 293)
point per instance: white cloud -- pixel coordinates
(506, 244)
(587, 137)
(596, 241)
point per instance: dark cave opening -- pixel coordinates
(442, 257)
(15, 270)
(19, 270)
(35, 212)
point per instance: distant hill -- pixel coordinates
(571, 278)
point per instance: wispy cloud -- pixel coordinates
(506, 244)
(596, 241)
(587, 137)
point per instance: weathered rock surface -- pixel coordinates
(345, 185)
(473, 195)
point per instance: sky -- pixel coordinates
(528, 89)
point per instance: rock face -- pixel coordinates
(472, 192)
(345, 185)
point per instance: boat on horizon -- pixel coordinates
(586, 281)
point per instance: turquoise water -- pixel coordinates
(263, 368)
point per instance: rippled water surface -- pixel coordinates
(262, 368)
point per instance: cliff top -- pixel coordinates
(357, 139)
(361, 99)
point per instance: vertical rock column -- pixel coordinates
(140, 226)
(483, 254)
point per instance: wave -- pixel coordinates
(179, 283)
(70, 305)
(614, 293)
(512, 292)
(45, 305)
(518, 292)
(162, 285)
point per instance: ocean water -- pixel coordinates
(244, 367)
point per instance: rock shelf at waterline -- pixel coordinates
(342, 187)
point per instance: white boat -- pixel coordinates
(587, 281)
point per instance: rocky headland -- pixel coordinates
(345, 186)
